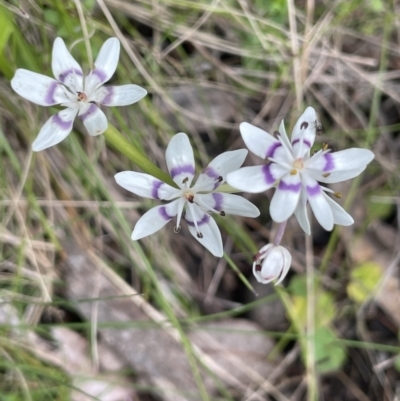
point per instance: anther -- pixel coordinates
(326, 175)
(325, 146)
(199, 235)
(318, 127)
(258, 267)
(177, 229)
(185, 180)
(276, 134)
(220, 178)
(293, 172)
(337, 194)
(222, 213)
(190, 198)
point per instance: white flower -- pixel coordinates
(296, 174)
(198, 200)
(272, 262)
(75, 92)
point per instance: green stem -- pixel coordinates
(118, 142)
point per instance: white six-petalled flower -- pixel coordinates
(77, 93)
(198, 200)
(296, 173)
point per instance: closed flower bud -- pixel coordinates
(272, 262)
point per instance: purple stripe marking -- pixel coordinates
(266, 169)
(182, 169)
(63, 76)
(313, 191)
(109, 97)
(210, 172)
(164, 214)
(289, 187)
(64, 125)
(204, 220)
(271, 149)
(218, 199)
(50, 93)
(91, 110)
(100, 74)
(305, 141)
(156, 187)
(329, 162)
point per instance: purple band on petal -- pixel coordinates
(266, 169)
(218, 199)
(64, 125)
(109, 96)
(156, 187)
(100, 74)
(271, 149)
(63, 76)
(210, 172)
(92, 109)
(188, 168)
(164, 214)
(204, 220)
(50, 93)
(313, 191)
(329, 163)
(289, 187)
(305, 141)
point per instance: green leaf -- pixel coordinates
(330, 354)
(363, 280)
(115, 139)
(7, 28)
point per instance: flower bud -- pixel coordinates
(272, 262)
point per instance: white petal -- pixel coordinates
(93, 119)
(228, 203)
(180, 159)
(145, 185)
(119, 95)
(104, 66)
(38, 88)
(258, 141)
(64, 66)
(287, 262)
(283, 135)
(319, 205)
(303, 134)
(219, 168)
(286, 198)
(301, 213)
(55, 129)
(208, 233)
(155, 219)
(339, 166)
(340, 216)
(256, 179)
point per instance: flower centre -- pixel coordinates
(297, 165)
(189, 196)
(81, 97)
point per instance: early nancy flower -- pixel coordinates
(272, 262)
(77, 93)
(296, 174)
(198, 200)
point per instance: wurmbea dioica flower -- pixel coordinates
(296, 174)
(272, 262)
(77, 93)
(199, 200)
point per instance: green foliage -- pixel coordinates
(363, 280)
